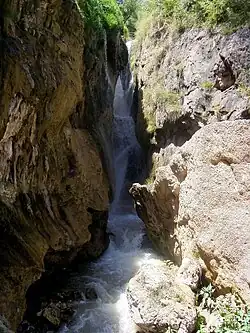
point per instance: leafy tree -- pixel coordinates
(101, 14)
(130, 9)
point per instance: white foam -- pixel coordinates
(109, 275)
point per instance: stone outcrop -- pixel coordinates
(158, 303)
(198, 206)
(4, 326)
(192, 93)
(57, 85)
(186, 80)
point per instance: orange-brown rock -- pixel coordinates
(52, 179)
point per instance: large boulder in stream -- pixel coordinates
(199, 204)
(158, 303)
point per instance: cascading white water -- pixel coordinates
(108, 276)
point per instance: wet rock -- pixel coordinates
(90, 293)
(158, 303)
(99, 241)
(57, 313)
(51, 303)
(25, 326)
(51, 317)
(52, 314)
(4, 325)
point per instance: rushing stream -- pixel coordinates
(108, 276)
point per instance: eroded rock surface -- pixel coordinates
(52, 181)
(198, 205)
(158, 303)
(186, 80)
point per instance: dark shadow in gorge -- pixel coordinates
(51, 300)
(176, 133)
(143, 136)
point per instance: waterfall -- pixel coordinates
(108, 312)
(127, 151)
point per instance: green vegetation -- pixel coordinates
(110, 15)
(102, 14)
(172, 98)
(216, 109)
(151, 177)
(130, 9)
(244, 90)
(182, 14)
(196, 254)
(207, 85)
(166, 101)
(151, 121)
(230, 315)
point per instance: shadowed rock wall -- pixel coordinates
(52, 179)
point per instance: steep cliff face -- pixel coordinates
(195, 202)
(187, 80)
(198, 205)
(56, 96)
(105, 55)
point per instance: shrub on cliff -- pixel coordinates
(100, 15)
(224, 314)
(230, 14)
(130, 9)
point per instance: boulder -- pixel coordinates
(198, 206)
(158, 303)
(56, 313)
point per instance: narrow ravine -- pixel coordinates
(106, 279)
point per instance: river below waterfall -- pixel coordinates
(107, 277)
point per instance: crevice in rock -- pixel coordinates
(177, 132)
(224, 74)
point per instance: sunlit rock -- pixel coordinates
(158, 303)
(208, 218)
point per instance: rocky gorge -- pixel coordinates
(193, 98)
(77, 132)
(57, 88)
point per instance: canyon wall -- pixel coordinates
(56, 96)
(193, 93)
(187, 80)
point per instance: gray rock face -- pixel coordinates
(4, 326)
(192, 79)
(158, 303)
(198, 206)
(189, 273)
